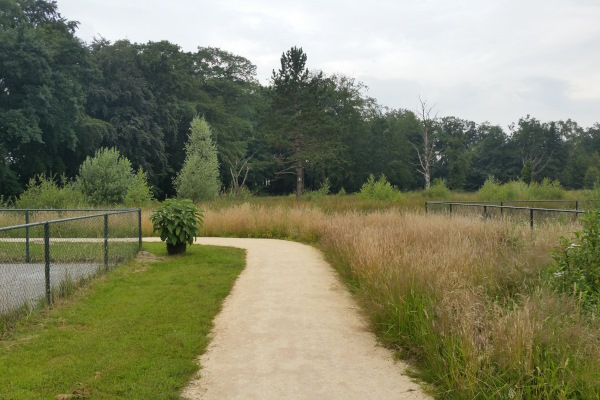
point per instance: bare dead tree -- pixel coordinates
(535, 160)
(236, 168)
(425, 150)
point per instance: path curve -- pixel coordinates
(290, 330)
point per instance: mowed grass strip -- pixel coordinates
(134, 333)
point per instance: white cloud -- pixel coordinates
(493, 60)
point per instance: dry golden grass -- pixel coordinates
(463, 297)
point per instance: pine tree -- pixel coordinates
(199, 176)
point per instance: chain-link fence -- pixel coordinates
(47, 253)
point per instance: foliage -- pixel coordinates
(546, 190)
(492, 189)
(379, 189)
(577, 268)
(320, 193)
(176, 221)
(592, 177)
(44, 192)
(105, 178)
(438, 190)
(199, 176)
(139, 194)
(527, 172)
(61, 100)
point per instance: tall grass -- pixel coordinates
(463, 298)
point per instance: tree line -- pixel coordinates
(62, 99)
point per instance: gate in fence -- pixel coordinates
(55, 248)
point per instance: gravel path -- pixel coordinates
(290, 330)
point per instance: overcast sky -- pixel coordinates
(482, 60)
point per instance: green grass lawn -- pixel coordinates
(134, 333)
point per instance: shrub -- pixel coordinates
(514, 190)
(592, 176)
(550, 190)
(105, 178)
(519, 190)
(379, 189)
(138, 192)
(320, 193)
(491, 190)
(577, 270)
(43, 192)
(437, 190)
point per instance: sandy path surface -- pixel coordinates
(290, 330)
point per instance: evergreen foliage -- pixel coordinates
(199, 176)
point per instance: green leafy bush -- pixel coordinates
(491, 190)
(379, 189)
(592, 176)
(176, 221)
(320, 193)
(515, 190)
(577, 268)
(437, 190)
(138, 192)
(104, 178)
(44, 192)
(518, 190)
(546, 190)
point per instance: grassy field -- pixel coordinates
(465, 299)
(134, 333)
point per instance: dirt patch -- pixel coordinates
(144, 256)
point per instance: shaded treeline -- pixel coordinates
(61, 99)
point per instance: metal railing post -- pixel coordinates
(450, 208)
(106, 241)
(140, 225)
(501, 209)
(531, 218)
(27, 256)
(47, 260)
(485, 212)
(576, 205)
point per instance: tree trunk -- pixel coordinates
(299, 175)
(299, 167)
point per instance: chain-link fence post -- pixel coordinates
(27, 256)
(140, 228)
(47, 260)
(106, 241)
